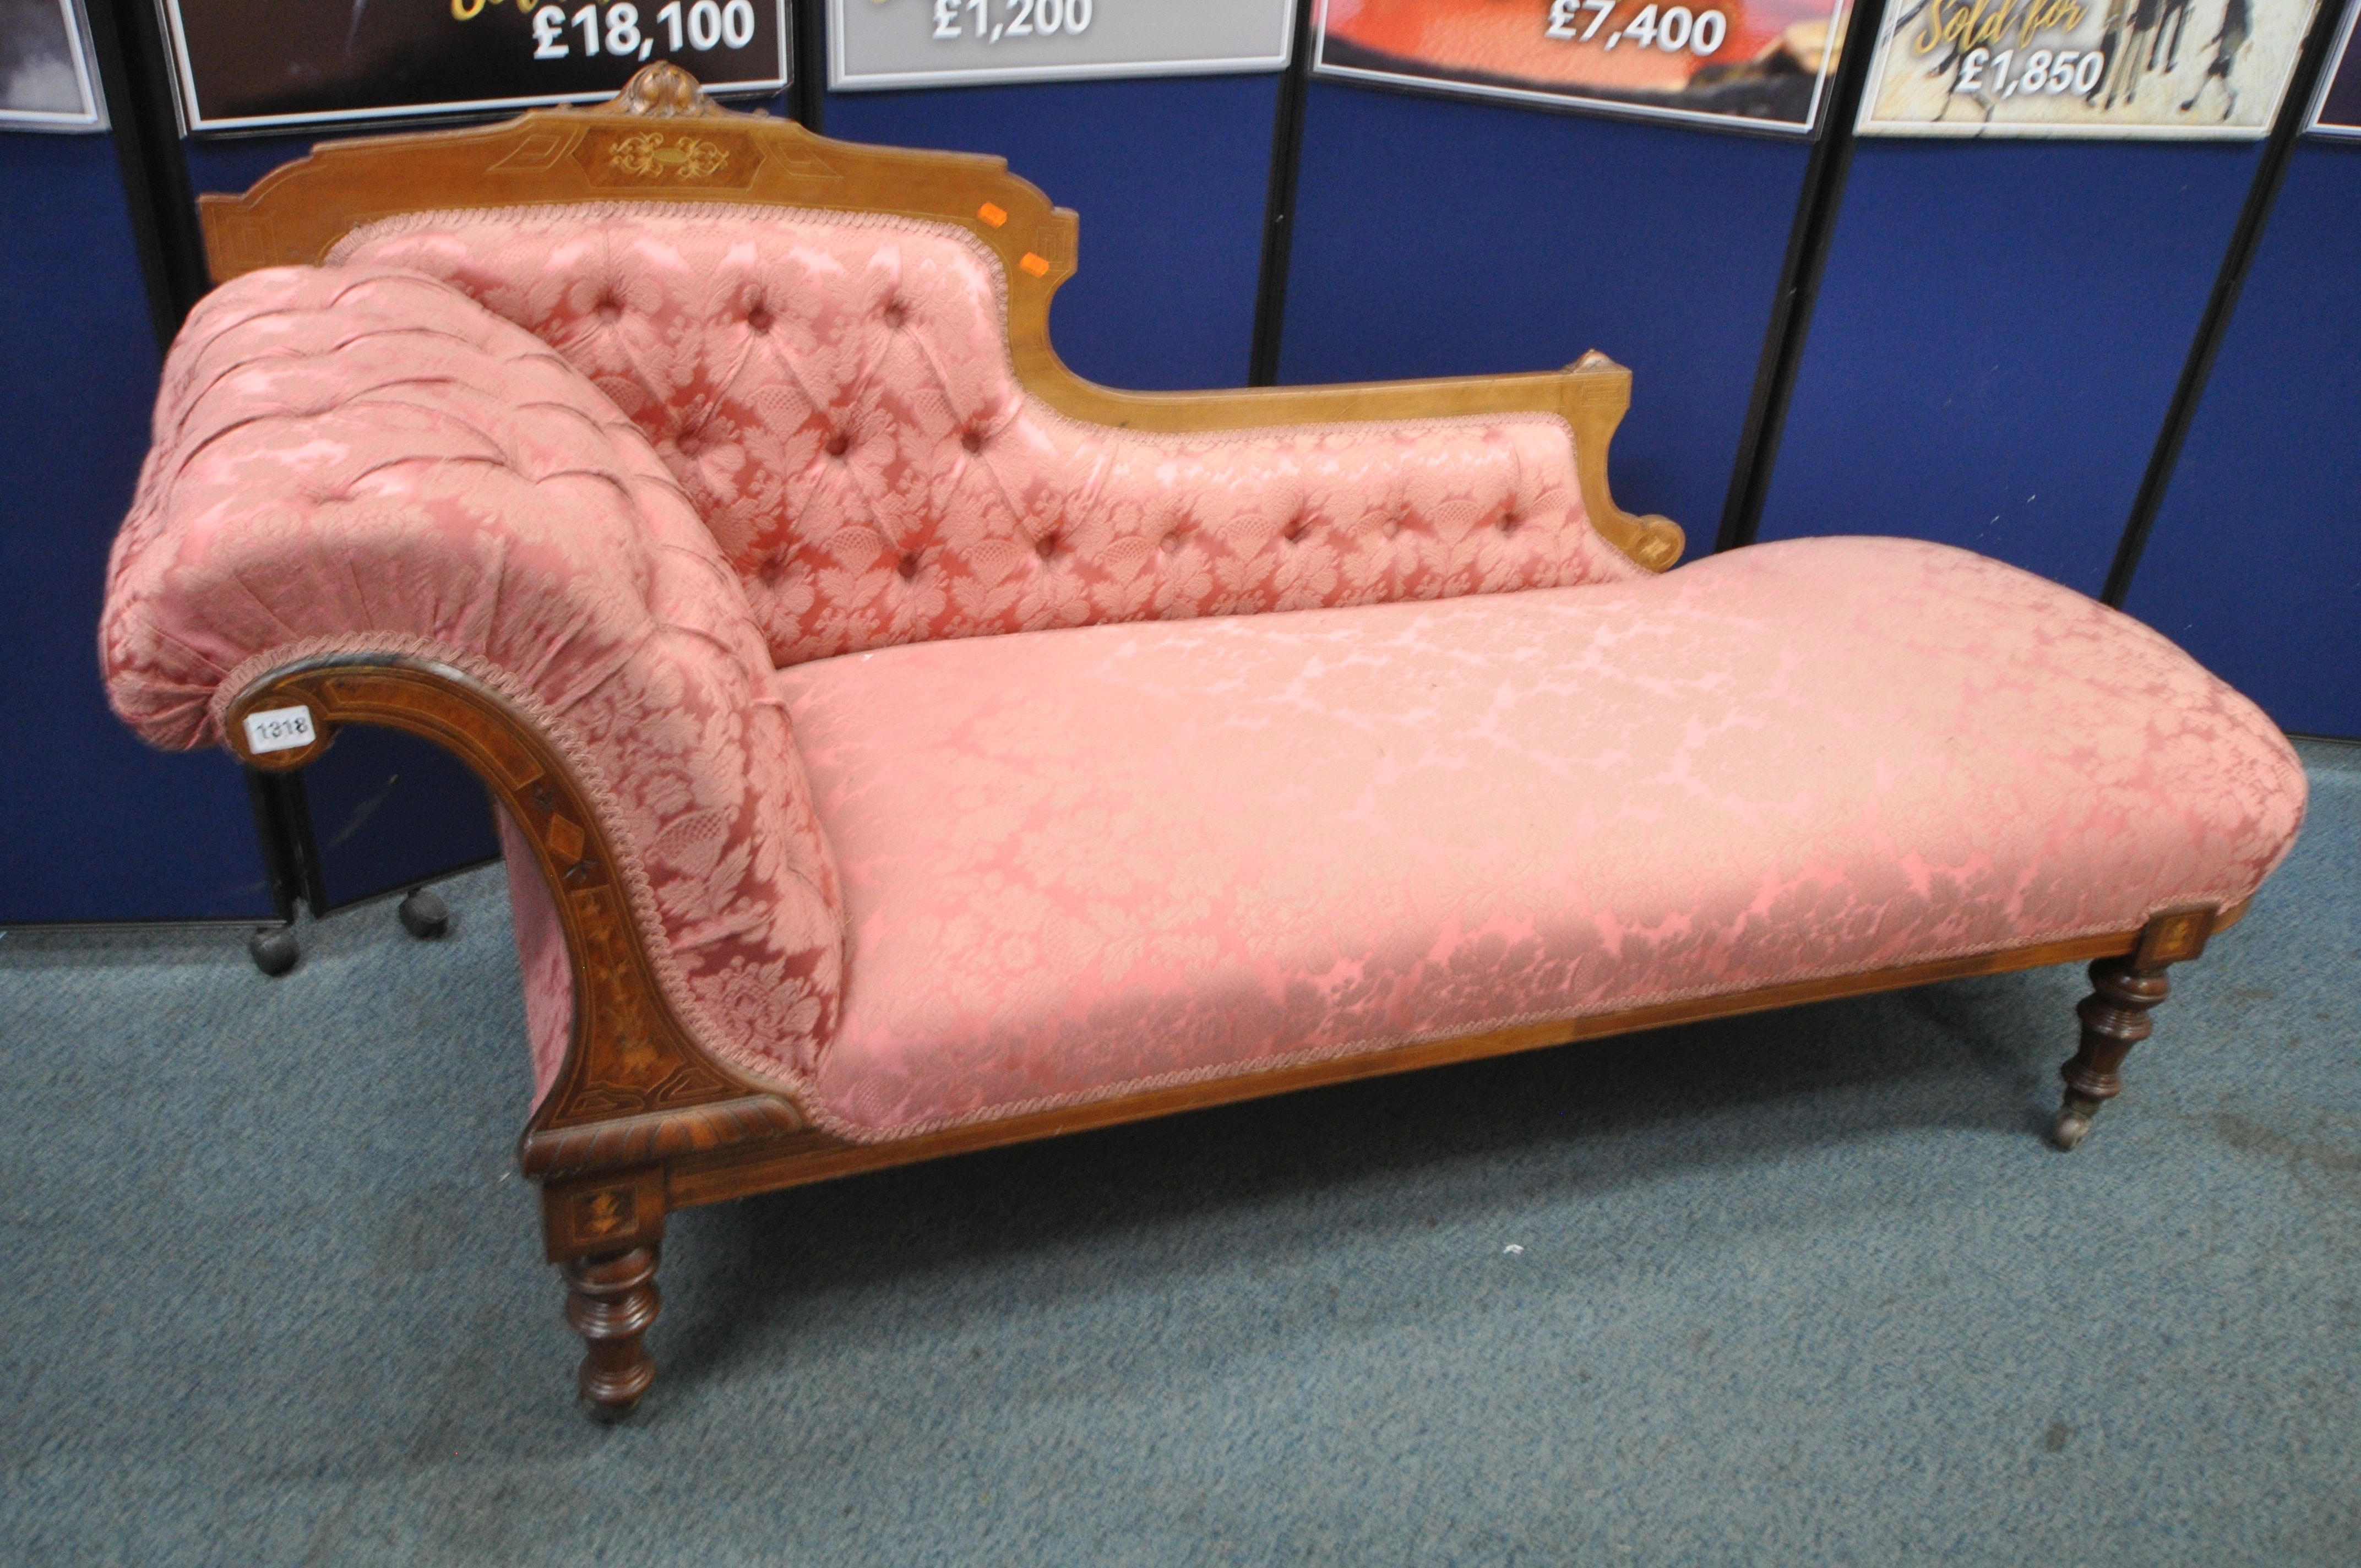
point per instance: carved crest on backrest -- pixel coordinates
(662, 91)
(661, 135)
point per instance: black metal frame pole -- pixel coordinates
(808, 94)
(1799, 281)
(282, 820)
(135, 76)
(1278, 215)
(2214, 326)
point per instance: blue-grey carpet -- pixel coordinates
(1807, 1289)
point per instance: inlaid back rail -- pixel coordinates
(661, 139)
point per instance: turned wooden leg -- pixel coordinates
(2116, 1016)
(611, 1302)
(602, 1233)
(2115, 1019)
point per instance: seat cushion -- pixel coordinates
(1083, 862)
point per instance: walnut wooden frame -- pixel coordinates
(642, 1120)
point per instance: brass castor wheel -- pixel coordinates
(424, 916)
(274, 950)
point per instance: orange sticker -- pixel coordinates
(992, 214)
(1037, 265)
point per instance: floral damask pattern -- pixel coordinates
(835, 393)
(1082, 862)
(1086, 857)
(363, 460)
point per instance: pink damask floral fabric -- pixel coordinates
(541, 960)
(1083, 862)
(834, 392)
(359, 459)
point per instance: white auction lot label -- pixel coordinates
(279, 729)
(936, 43)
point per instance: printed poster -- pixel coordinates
(948, 43)
(2336, 112)
(2125, 69)
(46, 80)
(265, 64)
(1757, 64)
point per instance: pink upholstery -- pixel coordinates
(834, 392)
(359, 460)
(1082, 862)
(1077, 862)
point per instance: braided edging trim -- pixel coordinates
(766, 1070)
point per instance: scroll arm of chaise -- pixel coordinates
(365, 462)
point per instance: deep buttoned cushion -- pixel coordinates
(1082, 862)
(834, 392)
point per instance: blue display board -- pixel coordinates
(1439, 236)
(1996, 342)
(1171, 177)
(2255, 562)
(93, 826)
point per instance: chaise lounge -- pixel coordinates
(902, 746)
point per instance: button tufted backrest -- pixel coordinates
(834, 391)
